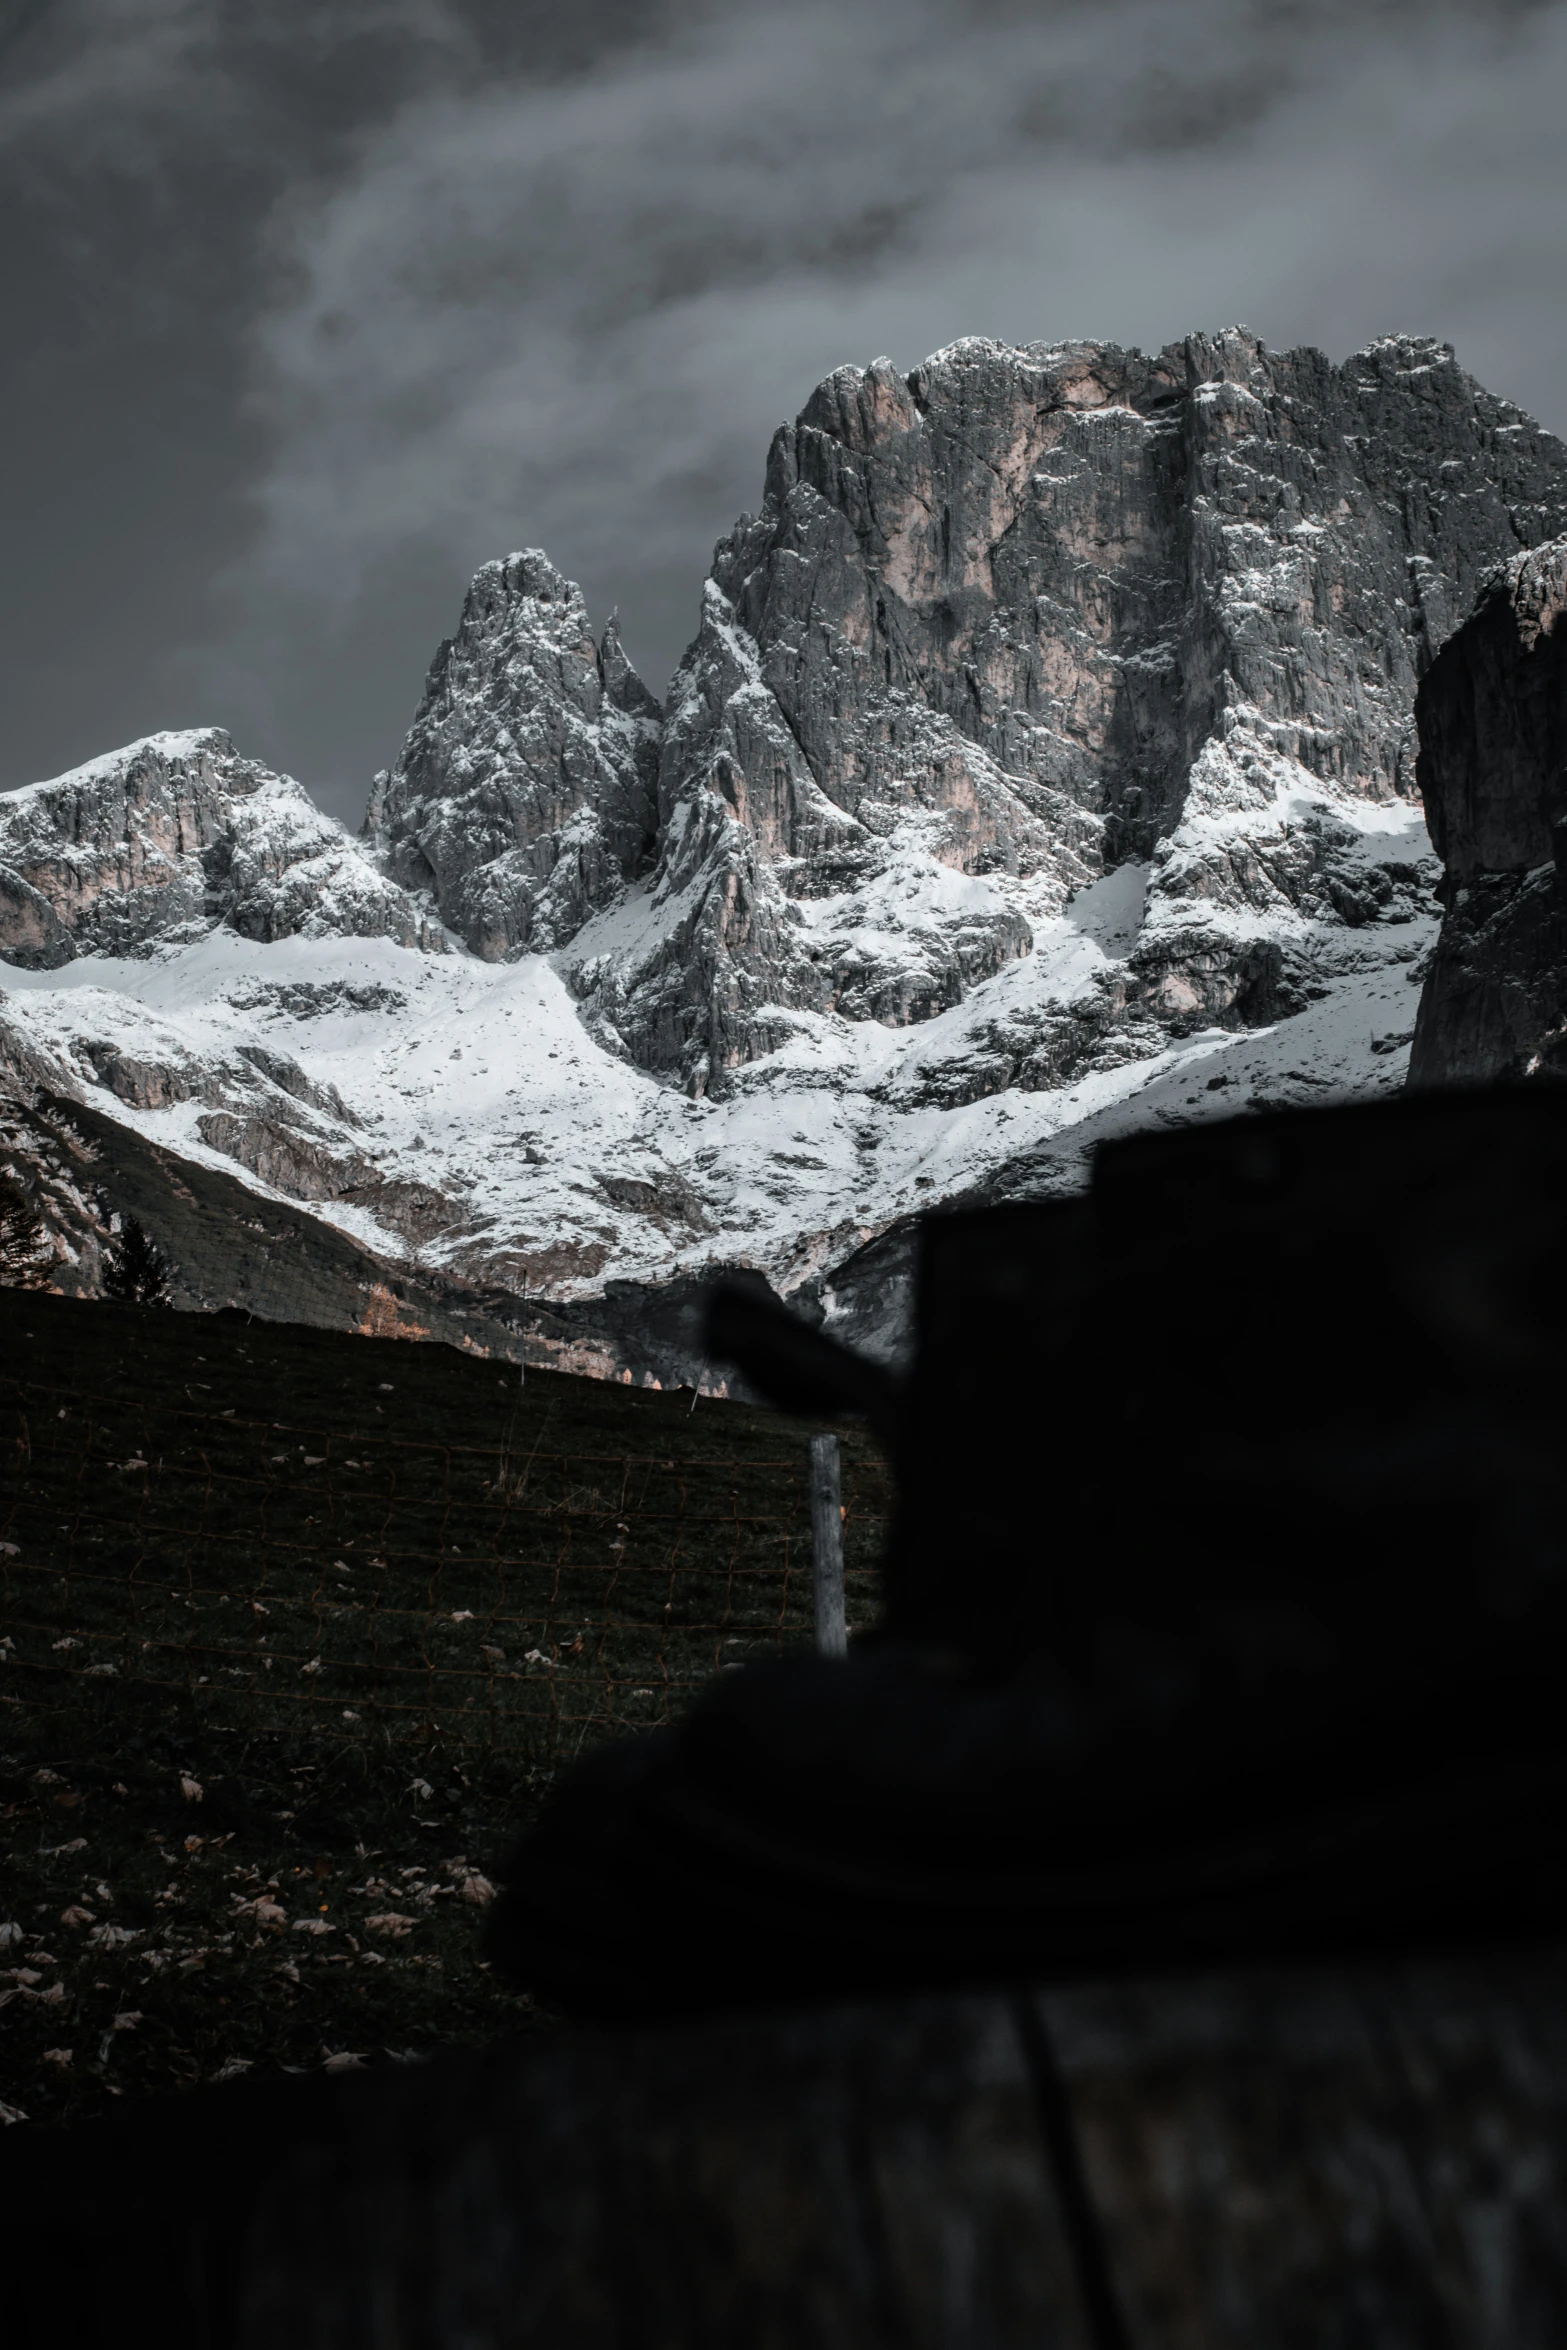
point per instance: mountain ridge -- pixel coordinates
(1046, 733)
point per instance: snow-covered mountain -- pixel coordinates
(1042, 764)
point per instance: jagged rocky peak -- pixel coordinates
(1081, 559)
(526, 793)
(1492, 718)
(158, 841)
(1028, 613)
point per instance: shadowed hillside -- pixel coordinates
(296, 1627)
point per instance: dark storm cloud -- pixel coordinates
(377, 291)
(144, 147)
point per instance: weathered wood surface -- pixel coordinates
(1366, 2158)
(1371, 2157)
(834, 2179)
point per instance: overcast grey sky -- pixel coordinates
(314, 306)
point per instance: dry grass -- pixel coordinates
(366, 1597)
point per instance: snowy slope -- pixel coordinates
(457, 1113)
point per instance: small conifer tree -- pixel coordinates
(136, 1270)
(24, 1245)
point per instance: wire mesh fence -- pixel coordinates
(285, 1578)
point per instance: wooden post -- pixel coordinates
(832, 1635)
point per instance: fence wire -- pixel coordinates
(281, 1578)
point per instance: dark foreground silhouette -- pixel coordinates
(1226, 1605)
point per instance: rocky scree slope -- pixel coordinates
(1047, 735)
(1492, 714)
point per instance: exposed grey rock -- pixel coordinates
(34, 936)
(284, 1156)
(155, 1081)
(143, 1083)
(155, 842)
(281, 1070)
(1492, 716)
(302, 1165)
(25, 1070)
(526, 793)
(1029, 613)
(311, 999)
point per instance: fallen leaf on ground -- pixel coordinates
(59, 2056)
(112, 1937)
(191, 1789)
(76, 1915)
(392, 1923)
(266, 1912)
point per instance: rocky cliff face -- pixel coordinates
(1492, 718)
(1028, 614)
(1001, 625)
(156, 843)
(526, 794)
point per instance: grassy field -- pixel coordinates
(296, 1629)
